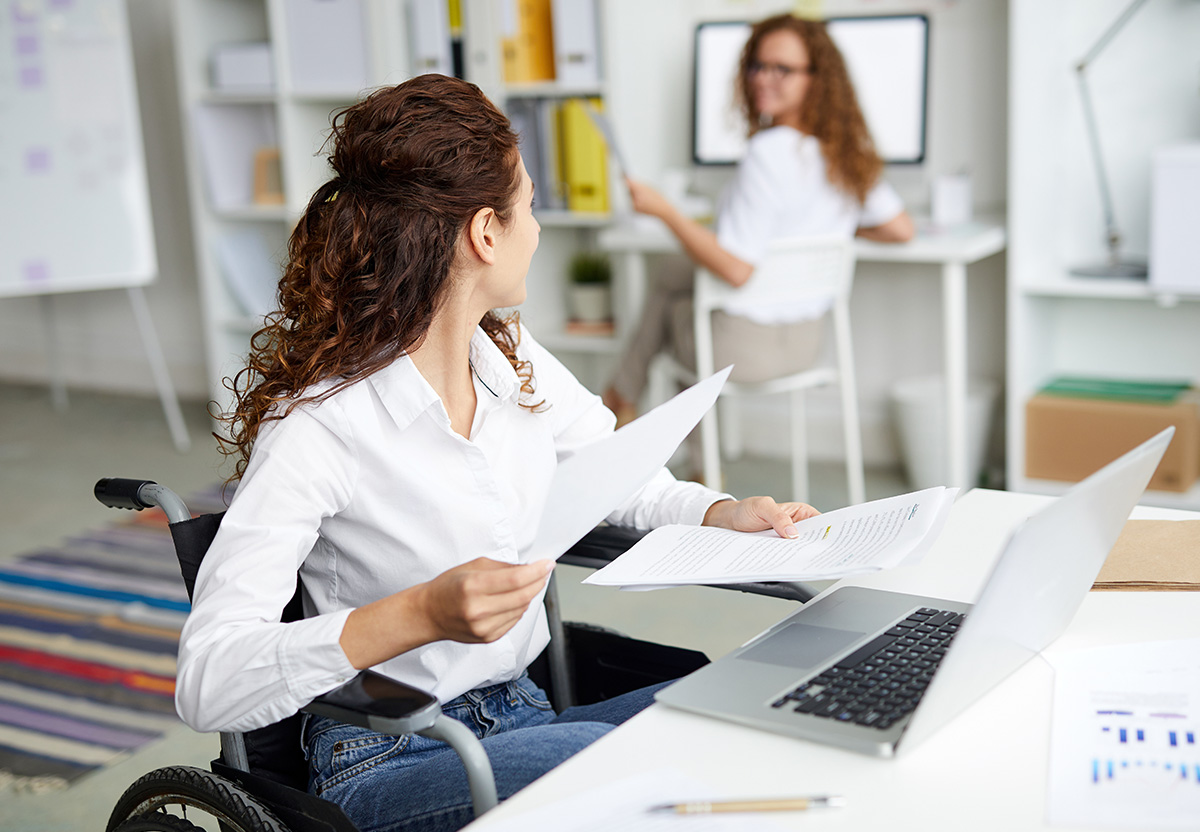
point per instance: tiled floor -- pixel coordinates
(50, 460)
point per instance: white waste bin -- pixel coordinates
(919, 413)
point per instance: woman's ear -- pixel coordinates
(482, 234)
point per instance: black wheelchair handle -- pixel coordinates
(116, 492)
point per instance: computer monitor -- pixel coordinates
(887, 57)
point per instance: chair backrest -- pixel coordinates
(272, 752)
(796, 269)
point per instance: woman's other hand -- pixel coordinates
(756, 514)
(646, 200)
(480, 601)
(474, 603)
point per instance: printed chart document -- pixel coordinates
(1123, 741)
(865, 538)
(597, 478)
(624, 805)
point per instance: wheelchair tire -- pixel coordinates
(158, 822)
(189, 788)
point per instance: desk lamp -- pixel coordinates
(1115, 266)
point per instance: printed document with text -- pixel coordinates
(864, 538)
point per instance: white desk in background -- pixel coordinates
(952, 249)
(985, 770)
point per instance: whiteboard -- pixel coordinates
(74, 206)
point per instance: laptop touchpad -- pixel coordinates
(801, 645)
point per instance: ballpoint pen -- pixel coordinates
(792, 804)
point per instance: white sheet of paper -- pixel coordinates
(599, 477)
(1124, 749)
(865, 538)
(623, 805)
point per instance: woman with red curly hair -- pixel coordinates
(810, 168)
(395, 442)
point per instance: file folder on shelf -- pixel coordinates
(527, 43)
(576, 42)
(429, 37)
(585, 164)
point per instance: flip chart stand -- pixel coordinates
(154, 354)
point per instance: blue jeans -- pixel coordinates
(391, 783)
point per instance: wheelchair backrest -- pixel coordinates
(273, 752)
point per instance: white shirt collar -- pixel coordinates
(406, 394)
(492, 368)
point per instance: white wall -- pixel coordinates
(895, 309)
(95, 331)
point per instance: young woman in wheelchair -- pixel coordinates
(394, 440)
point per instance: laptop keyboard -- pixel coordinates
(883, 680)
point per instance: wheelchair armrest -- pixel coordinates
(788, 590)
(603, 544)
(371, 700)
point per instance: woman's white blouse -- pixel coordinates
(369, 492)
(781, 189)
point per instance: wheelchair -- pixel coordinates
(259, 781)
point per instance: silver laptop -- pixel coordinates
(877, 672)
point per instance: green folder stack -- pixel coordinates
(1147, 392)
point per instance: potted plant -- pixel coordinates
(590, 292)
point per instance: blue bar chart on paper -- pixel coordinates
(1125, 737)
(1155, 747)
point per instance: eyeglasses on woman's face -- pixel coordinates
(776, 72)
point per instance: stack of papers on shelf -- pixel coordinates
(882, 534)
(1153, 555)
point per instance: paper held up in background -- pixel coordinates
(592, 482)
(610, 137)
(1123, 740)
(865, 538)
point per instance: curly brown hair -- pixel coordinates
(830, 110)
(370, 260)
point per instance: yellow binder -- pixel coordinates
(528, 52)
(585, 159)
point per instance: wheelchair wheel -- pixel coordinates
(158, 822)
(189, 789)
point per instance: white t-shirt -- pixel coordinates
(370, 492)
(781, 190)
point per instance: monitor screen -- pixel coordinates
(887, 59)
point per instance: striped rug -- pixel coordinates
(89, 631)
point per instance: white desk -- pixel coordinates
(985, 770)
(953, 250)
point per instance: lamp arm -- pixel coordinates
(1089, 115)
(1109, 34)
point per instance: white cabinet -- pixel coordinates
(1144, 91)
(253, 138)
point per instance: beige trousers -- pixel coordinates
(758, 352)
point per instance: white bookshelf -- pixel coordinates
(324, 53)
(1058, 323)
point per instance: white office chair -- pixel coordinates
(795, 269)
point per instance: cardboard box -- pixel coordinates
(1068, 438)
